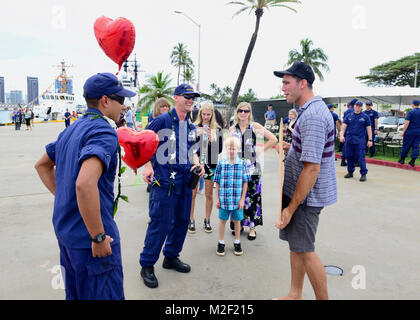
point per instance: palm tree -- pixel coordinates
(180, 58)
(258, 7)
(188, 75)
(156, 87)
(316, 58)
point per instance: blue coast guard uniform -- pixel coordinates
(87, 277)
(170, 204)
(372, 116)
(412, 135)
(355, 140)
(342, 146)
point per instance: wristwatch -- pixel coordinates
(99, 238)
(370, 140)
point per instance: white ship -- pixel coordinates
(53, 105)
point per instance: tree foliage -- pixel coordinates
(398, 73)
(157, 86)
(316, 58)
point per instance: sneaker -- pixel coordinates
(238, 250)
(348, 175)
(207, 226)
(191, 227)
(220, 249)
(363, 178)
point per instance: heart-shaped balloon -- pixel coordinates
(116, 38)
(137, 147)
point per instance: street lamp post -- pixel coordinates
(199, 40)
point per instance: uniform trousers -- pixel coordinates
(356, 152)
(169, 218)
(410, 141)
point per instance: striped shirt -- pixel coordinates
(313, 141)
(231, 178)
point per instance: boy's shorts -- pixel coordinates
(237, 215)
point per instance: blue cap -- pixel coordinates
(104, 84)
(185, 89)
(369, 103)
(331, 106)
(352, 102)
(298, 69)
(359, 103)
(416, 102)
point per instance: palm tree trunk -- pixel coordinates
(235, 94)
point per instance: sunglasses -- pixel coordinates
(188, 96)
(119, 99)
(244, 111)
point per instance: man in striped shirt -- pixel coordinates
(309, 181)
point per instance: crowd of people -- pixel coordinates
(79, 170)
(23, 115)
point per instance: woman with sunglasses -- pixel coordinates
(246, 130)
(210, 142)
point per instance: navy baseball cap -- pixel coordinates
(352, 102)
(185, 89)
(331, 106)
(416, 102)
(105, 84)
(369, 103)
(359, 103)
(298, 69)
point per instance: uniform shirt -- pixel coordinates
(372, 114)
(356, 127)
(86, 138)
(66, 115)
(185, 136)
(414, 117)
(313, 141)
(347, 112)
(335, 118)
(231, 178)
(271, 115)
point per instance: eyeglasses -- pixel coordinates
(244, 111)
(119, 99)
(188, 96)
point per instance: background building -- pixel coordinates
(33, 94)
(2, 96)
(16, 97)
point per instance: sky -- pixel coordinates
(356, 35)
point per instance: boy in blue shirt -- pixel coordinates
(79, 170)
(231, 180)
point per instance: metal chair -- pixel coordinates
(396, 142)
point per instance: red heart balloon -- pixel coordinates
(137, 147)
(116, 38)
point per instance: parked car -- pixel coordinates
(390, 123)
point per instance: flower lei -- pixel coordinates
(121, 170)
(172, 156)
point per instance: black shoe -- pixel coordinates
(149, 278)
(363, 178)
(348, 175)
(252, 237)
(220, 249)
(238, 250)
(401, 161)
(207, 226)
(175, 263)
(412, 163)
(343, 163)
